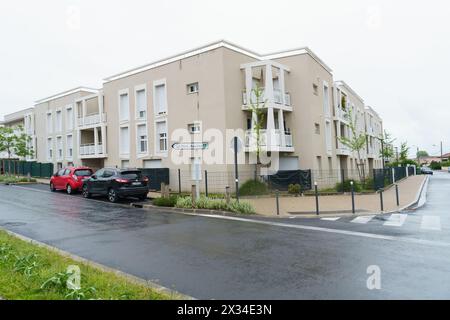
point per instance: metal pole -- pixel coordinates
(353, 196)
(342, 179)
(396, 195)
(278, 202)
(441, 151)
(236, 173)
(179, 181)
(317, 197)
(206, 183)
(381, 200)
(382, 153)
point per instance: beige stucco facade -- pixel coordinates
(143, 117)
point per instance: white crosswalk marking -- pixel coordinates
(362, 219)
(396, 220)
(331, 219)
(431, 223)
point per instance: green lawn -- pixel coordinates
(15, 179)
(25, 267)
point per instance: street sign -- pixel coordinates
(190, 146)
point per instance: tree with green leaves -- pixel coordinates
(422, 154)
(387, 148)
(15, 142)
(257, 108)
(404, 151)
(356, 142)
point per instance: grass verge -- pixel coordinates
(15, 179)
(31, 272)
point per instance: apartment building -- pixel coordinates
(25, 119)
(184, 107)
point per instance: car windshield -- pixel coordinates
(132, 175)
(83, 173)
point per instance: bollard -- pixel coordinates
(179, 181)
(353, 196)
(396, 195)
(317, 197)
(206, 183)
(381, 199)
(227, 195)
(194, 194)
(277, 195)
(163, 190)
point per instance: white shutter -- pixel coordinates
(124, 140)
(124, 107)
(141, 104)
(160, 99)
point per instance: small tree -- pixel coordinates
(404, 151)
(14, 141)
(257, 108)
(387, 150)
(421, 154)
(356, 142)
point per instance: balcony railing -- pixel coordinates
(341, 114)
(277, 97)
(89, 149)
(267, 139)
(342, 149)
(92, 119)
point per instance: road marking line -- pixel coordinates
(396, 220)
(331, 219)
(362, 219)
(431, 223)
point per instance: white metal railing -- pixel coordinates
(273, 139)
(92, 119)
(341, 114)
(342, 148)
(89, 149)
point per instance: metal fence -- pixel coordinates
(25, 168)
(385, 177)
(156, 177)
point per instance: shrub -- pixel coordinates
(215, 204)
(368, 184)
(165, 202)
(253, 188)
(346, 186)
(434, 165)
(294, 188)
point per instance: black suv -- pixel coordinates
(116, 184)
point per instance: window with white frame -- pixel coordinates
(142, 138)
(192, 88)
(160, 99)
(124, 140)
(161, 134)
(59, 147)
(69, 146)
(49, 149)
(58, 121)
(49, 123)
(141, 104)
(124, 107)
(69, 118)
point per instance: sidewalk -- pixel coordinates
(340, 204)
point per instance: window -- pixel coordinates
(69, 118)
(69, 145)
(125, 164)
(194, 128)
(317, 128)
(326, 101)
(160, 99)
(59, 147)
(141, 104)
(124, 107)
(142, 138)
(161, 132)
(124, 140)
(192, 88)
(328, 136)
(315, 89)
(49, 123)
(49, 149)
(58, 121)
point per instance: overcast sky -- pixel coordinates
(395, 54)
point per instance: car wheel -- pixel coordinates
(112, 195)
(85, 192)
(52, 187)
(69, 189)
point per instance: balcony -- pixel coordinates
(341, 115)
(92, 120)
(342, 150)
(277, 98)
(276, 141)
(91, 151)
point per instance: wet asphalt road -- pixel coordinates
(211, 258)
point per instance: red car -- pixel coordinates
(70, 179)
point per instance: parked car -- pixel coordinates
(426, 170)
(70, 179)
(116, 184)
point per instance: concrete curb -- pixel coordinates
(416, 200)
(172, 293)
